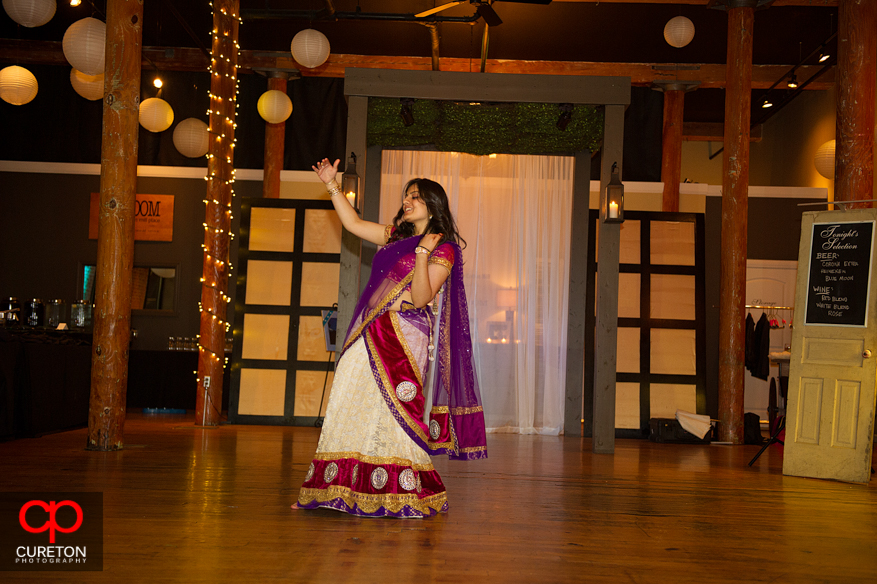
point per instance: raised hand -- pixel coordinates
(430, 240)
(326, 171)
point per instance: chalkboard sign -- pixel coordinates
(840, 271)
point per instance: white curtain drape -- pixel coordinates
(514, 213)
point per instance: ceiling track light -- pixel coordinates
(766, 103)
(793, 82)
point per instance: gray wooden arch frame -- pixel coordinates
(613, 93)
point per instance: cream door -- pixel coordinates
(830, 410)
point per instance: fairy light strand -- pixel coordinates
(223, 63)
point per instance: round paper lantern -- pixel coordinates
(84, 45)
(274, 106)
(30, 13)
(156, 115)
(190, 138)
(678, 31)
(90, 87)
(310, 48)
(18, 86)
(824, 160)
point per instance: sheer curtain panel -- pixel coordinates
(514, 213)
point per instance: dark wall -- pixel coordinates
(44, 238)
(774, 233)
(61, 126)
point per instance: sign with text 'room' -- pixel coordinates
(840, 273)
(153, 217)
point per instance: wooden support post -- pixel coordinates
(577, 310)
(351, 246)
(735, 208)
(115, 245)
(217, 223)
(671, 145)
(854, 155)
(606, 337)
(275, 141)
(671, 149)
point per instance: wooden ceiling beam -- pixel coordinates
(641, 74)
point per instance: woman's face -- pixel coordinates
(414, 210)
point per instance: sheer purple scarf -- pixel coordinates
(455, 386)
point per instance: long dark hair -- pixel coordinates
(441, 219)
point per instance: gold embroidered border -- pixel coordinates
(464, 411)
(394, 319)
(388, 299)
(474, 449)
(369, 503)
(388, 389)
(440, 409)
(444, 344)
(442, 262)
(372, 459)
(388, 231)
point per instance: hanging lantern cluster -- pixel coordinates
(30, 13)
(156, 115)
(18, 86)
(191, 138)
(84, 45)
(679, 31)
(91, 87)
(310, 48)
(274, 106)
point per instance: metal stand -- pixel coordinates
(781, 425)
(329, 332)
(318, 423)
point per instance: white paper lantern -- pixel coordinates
(18, 86)
(30, 13)
(84, 45)
(156, 115)
(310, 48)
(90, 87)
(274, 106)
(824, 160)
(191, 138)
(678, 31)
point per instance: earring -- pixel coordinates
(430, 217)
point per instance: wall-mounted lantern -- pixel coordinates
(350, 183)
(612, 207)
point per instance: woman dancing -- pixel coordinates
(373, 456)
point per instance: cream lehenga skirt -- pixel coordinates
(365, 463)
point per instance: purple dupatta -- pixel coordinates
(456, 397)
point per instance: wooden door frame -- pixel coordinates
(644, 322)
(294, 310)
(612, 93)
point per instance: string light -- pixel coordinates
(224, 65)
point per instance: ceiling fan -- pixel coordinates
(483, 7)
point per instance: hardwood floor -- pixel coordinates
(183, 504)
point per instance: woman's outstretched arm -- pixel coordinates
(366, 230)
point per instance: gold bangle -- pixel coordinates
(333, 188)
(421, 249)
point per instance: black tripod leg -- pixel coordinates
(319, 421)
(780, 427)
